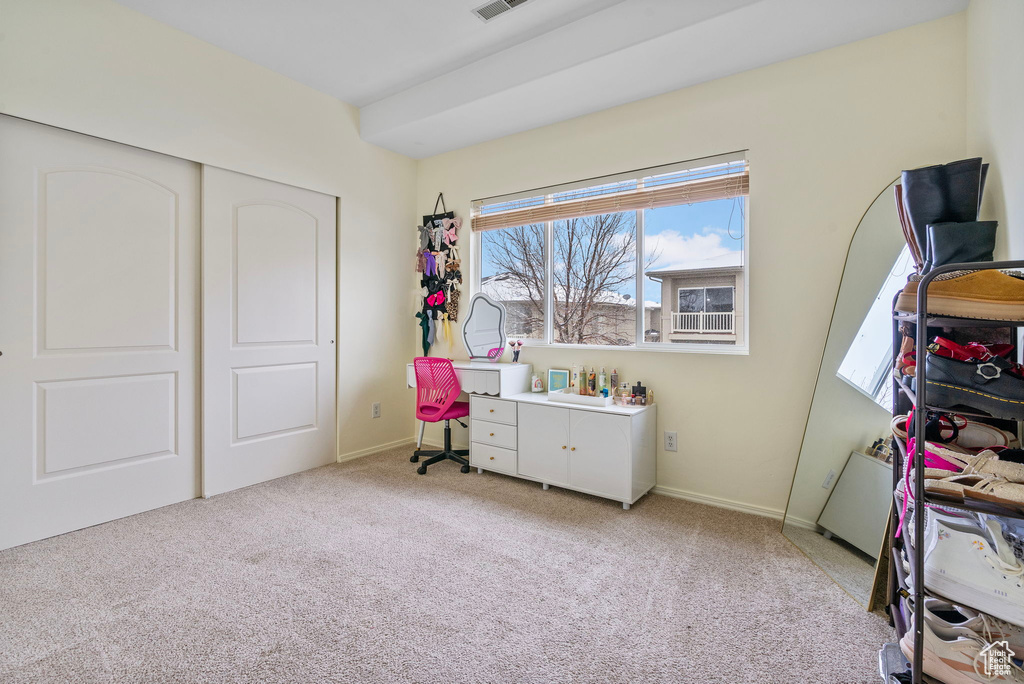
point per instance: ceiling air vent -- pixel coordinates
(490, 10)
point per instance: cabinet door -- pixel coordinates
(544, 443)
(599, 453)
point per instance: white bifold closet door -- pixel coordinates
(268, 330)
(98, 330)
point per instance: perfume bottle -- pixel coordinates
(574, 380)
(614, 381)
(602, 381)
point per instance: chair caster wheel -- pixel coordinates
(465, 469)
(414, 459)
(422, 470)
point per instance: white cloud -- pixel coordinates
(672, 248)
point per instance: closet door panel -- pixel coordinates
(98, 329)
(268, 330)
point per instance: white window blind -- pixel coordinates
(646, 190)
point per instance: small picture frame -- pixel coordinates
(557, 380)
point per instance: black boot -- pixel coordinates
(941, 194)
(954, 243)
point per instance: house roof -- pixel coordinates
(728, 260)
(502, 288)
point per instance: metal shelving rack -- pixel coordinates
(903, 398)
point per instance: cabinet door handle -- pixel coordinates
(492, 410)
(492, 458)
(563, 447)
(573, 449)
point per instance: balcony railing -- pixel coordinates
(723, 322)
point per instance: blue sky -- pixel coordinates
(680, 234)
(689, 233)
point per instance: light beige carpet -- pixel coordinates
(368, 572)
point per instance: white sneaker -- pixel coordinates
(957, 659)
(968, 622)
(973, 566)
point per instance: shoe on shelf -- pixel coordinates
(973, 623)
(956, 655)
(971, 564)
(952, 428)
(990, 462)
(960, 242)
(974, 376)
(984, 488)
(938, 194)
(988, 294)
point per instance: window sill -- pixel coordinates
(657, 347)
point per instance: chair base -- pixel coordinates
(436, 456)
(459, 456)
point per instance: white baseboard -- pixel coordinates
(375, 449)
(440, 445)
(720, 503)
(805, 524)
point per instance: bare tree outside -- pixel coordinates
(594, 277)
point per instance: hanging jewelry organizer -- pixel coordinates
(437, 258)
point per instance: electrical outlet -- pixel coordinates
(670, 441)
(828, 479)
(375, 410)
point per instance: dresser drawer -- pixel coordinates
(494, 434)
(493, 410)
(492, 457)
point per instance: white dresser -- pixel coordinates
(605, 451)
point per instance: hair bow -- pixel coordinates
(424, 233)
(436, 299)
(449, 235)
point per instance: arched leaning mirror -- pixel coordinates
(483, 333)
(842, 489)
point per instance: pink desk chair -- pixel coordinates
(437, 388)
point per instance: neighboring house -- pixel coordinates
(702, 300)
(615, 321)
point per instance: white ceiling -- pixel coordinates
(429, 76)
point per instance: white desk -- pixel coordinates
(607, 451)
(483, 377)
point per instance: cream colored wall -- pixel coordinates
(96, 67)
(995, 103)
(825, 133)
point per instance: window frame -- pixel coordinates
(641, 345)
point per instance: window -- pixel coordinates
(649, 259)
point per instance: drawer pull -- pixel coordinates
(492, 434)
(492, 410)
(563, 447)
(573, 449)
(492, 458)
